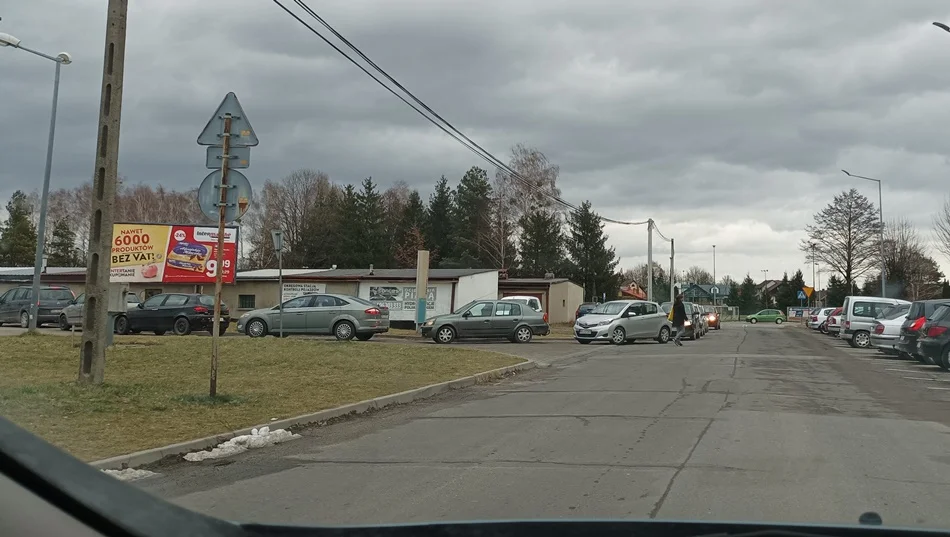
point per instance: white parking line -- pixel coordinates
(936, 388)
(902, 370)
(921, 378)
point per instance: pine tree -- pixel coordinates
(748, 299)
(18, 236)
(412, 222)
(734, 299)
(348, 250)
(594, 264)
(837, 290)
(322, 232)
(542, 244)
(370, 233)
(473, 218)
(440, 229)
(784, 295)
(61, 250)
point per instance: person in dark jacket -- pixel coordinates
(679, 319)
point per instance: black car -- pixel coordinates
(584, 309)
(15, 304)
(920, 311)
(933, 340)
(181, 313)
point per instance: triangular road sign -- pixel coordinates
(808, 291)
(242, 134)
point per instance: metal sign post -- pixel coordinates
(422, 288)
(278, 238)
(228, 128)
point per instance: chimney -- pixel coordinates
(548, 275)
(371, 270)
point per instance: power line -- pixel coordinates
(662, 236)
(457, 135)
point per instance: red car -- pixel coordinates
(712, 318)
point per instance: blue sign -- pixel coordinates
(802, 296)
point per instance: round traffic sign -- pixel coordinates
(238, 195)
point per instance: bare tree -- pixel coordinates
(908, 262)
(728, 281)
(698, 275)
(845, 235)
(535, 191)
(941, 222)
(640, 274)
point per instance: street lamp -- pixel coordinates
(880, 208)
(7, 40)
(942, 26)
(714, 272)
(814, 285)
(765, 287)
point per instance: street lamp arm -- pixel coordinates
(942, 26)
(849, 174)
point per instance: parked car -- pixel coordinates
(858, 314)
(15, 304)
(179, 312)
(766, 316)
(917, 315)
(532, 302)
(584, 309)
(73, 313)
(342, 316)
(823, 327)
(691, 330)
(622, 321)
(817, 317)
(488, 319)
(834, 324)
(886, 329)
(933, 343)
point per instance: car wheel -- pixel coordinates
(63, 323)
(861, 339)
(445, 334)
(344, 331)
(618, 336)
(753, 320)
(523, 334)
(664, 336)
(364, 337)
(182, 326)
(25, 320)
(256, 328)
(121, 325)
(945, 359)
(779, 321)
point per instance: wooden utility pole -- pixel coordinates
(96, 330)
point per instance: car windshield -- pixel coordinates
(56, 294)
(413, 329)
(897, 312)
(609, 308)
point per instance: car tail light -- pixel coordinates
(201, 309)
(935, 331)
(371, 311)
(879, 329)
(847, 325)
(545, 316)
(917, 324)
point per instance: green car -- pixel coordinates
(766, 316)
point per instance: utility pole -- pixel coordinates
(765, 286)
(714, 272)
(813, 281)
(96, 332)
(672, 278)
(650, 259)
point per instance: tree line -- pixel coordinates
(846, 238)
(514, 225)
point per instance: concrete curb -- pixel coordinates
(148, 456)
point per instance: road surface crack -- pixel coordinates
(679, 469)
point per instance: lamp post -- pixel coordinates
(814, 285)
(765, 287)
(880, 208)
(714, 272)
(942, 26)
(7, 40)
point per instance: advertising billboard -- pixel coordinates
(169, 253)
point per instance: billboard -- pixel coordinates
(169, 253)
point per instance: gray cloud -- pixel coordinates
(726, 122)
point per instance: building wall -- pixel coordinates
(565, 297)
(400, 298)
(482, 286)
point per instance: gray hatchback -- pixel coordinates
(488, 319)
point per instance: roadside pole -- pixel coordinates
(96, 331)
(422, 288)
(225, 194)
(650, 259)
(672, 278)
(219, 255)
(277, 236)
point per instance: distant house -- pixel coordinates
(703, 293)
(768, 287)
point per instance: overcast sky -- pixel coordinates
(726, 122)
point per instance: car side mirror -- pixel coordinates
(140, 306)
(467, 314)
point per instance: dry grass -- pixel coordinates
(156, 389)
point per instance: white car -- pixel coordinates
(818, 316)
(530, 301)
(886, 329)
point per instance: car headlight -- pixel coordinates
(605, 323)
(430, 322)
(687, 323)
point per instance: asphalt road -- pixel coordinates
(771, 423)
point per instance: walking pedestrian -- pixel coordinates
(679, 319)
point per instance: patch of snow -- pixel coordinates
(129, 474)
(257, 439)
